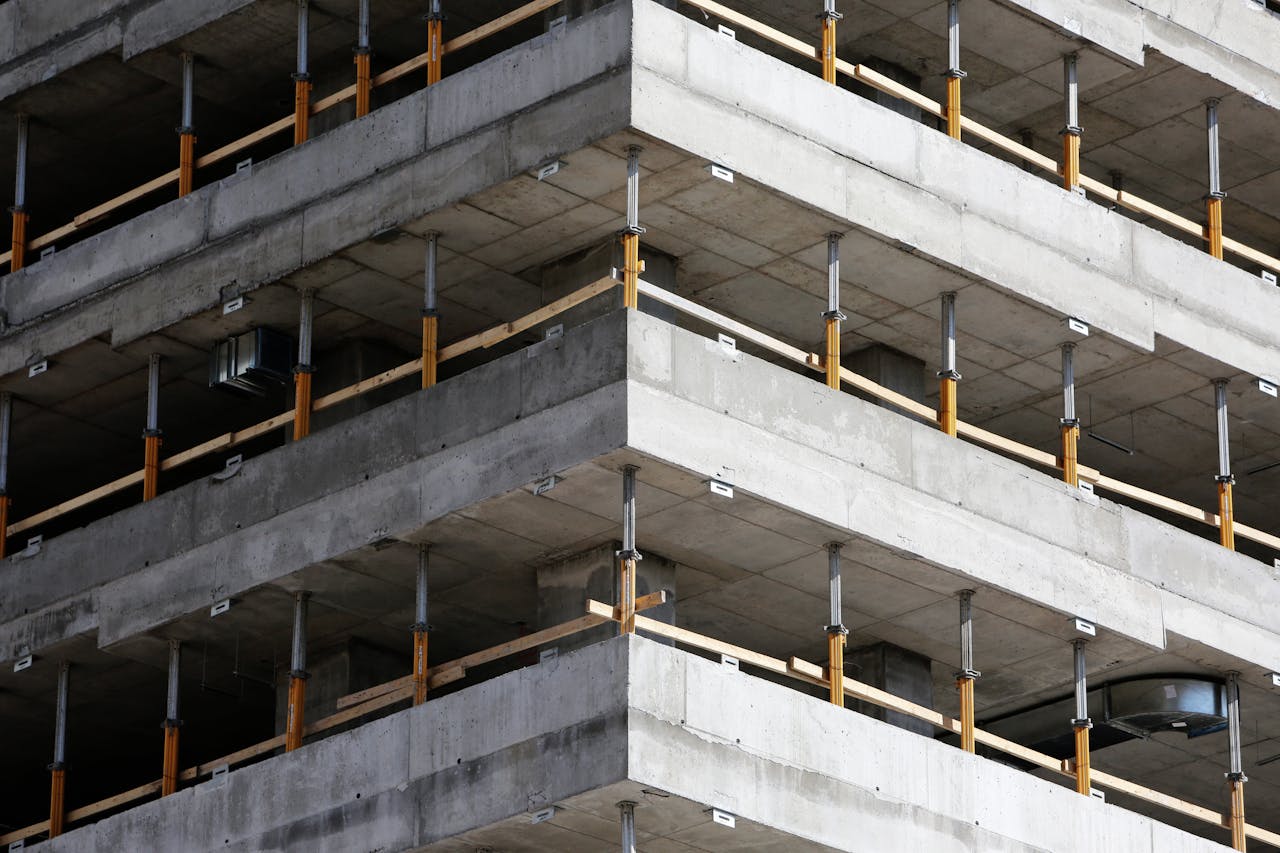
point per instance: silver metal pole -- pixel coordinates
(633, 187)
(833, 581)
(362, 35)
(629, 512)
(1233, 724)
(833, 275)
(420, 610)
(1069, 385)
(628, 810)
(1082, 688)
(948, 338)
(188, 93)
(175, 663)
(303, 32)
(1071, 88)
(298, 659)
(6, 428)
(966, 633)
(60, 718)
(305, 323)
(20, 179)
(953, 37)
(1224, 443)
(1215, 170)
(153, 395)
(429, 305)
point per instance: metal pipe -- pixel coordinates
(1071, 90)
(833, 316)
(1236, 774)
(188, 93)
(175, 663)
(20, 176)
(1070, 424)
(60, 716)
(1082, 693)
(628, 555)
(169, 772)
(153, 393)
(429, 296)
(966, 632)
(294, 721)
(833, 586)
(298, 651)
(954, 74)
(6, 428)
(435, 43)
(967, 674)
(629, 509)
(430, 314)
(836, 632)
(362, 33)
(1081, 724)
(306, 316)
(1215, 166)
(829, 17)
(420, 628)
(631, 234)
(151, 435)
(304, 30)
(948, 374)
(1224, 446)
(633, 186)
(186, 131)
(628, 812)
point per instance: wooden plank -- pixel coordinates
(95, 213)
(876, 80)
(750, 25)
(398, 71)
(113, 802)
(520, 644)
(234, 758)
(1004, 143)
(497, 25)
(244, 142)
(1146, 208)
(489, 337)
(25, 832)
(1098, 188)
(333, 100)
(880, 392)
(76, 503)
(653, 599)
(999, 442)
(410, 368)
(1150, 795)
(1159, 501)
(707, 644)
(1250, 254)
(1262, 835)
(738, 330)
(226, 440)
(1257, 535)
(53, 236)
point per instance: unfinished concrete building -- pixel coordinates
(759, 425)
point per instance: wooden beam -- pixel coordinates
(248, 141)
(497, 25)
(707, 644)
(93, 214)
(227, 439)
(411, 368)
(116, 801)
(236, 757)
(876, 80)
(750, 25)
(878, 391)
(76, 503)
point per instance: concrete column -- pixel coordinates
(898, 671)
(565, 586)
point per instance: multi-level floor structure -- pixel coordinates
(792, 426)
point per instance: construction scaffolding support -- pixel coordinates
(1070, 424)
(1213, 201)
(627, 813)
(169, 774)
(151, 436)
(628, 556)
(954, 74)
(6, 429)
(420, 628)
(1226, 481)
(302, 80)
(430, 314)
(187, 130)
(19, 210)
(832, 315)
(631, 267)
(303, 370)
(837, 633)
(1082, 723)
(58, 769)
(829, 17)
(948, 376)
(967, 675)
(364, 74)
(1236, 774)
(435, 42)
(294, 721)
(1072, 130)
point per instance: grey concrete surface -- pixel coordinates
(663, 723)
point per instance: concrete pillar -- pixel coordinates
(565, 586)
(898, 671)
(335, 672)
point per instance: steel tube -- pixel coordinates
(832, 314)
(60, 716)
(629, 509)
(362, 33)
(628, 815)
(633, 186)
(953, 35)
(175, 663)
(420, 627)
(1071, 90)
(298, 650)
(303, 34)
(833, 585)
(1224, 444)
(188, 93)
(153, 393)
(1233, 723)
(1215, 166)
(305, 323)
(1068, 383)
(20, 174)
(948, 335)
(836, 632)
(429, 296)
(6, 428)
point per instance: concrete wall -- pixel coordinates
(630, 710)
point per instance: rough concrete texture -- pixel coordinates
(629, 709)
(40, 39)
(418, 154)
(785, 128)
(826, 455)
(680, 82)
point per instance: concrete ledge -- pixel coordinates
(632, 711)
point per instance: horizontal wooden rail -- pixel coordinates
(280, 125)
(904, 93)
(813, 674)
(974, 433)
(228, 440)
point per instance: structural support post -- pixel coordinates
(829, 17)
(631, 234)
(420, 629)
(948, 376)
(151, 435)
(295, 721)
(1236, 775)
(302, 372)
(1213, 202)
(832, 315)
(954, 74)
(169, 775)
(628, 813)
(6, 430)
(430, 315)
(1226, 502)
(302, 80)
(1071, 132)
(364, 74)
(967, 674)
(187, 130)
(628, 556)
(1081, 723)
(435, 42)
(1070, 423)
(837, 633)
(19, 209)
(58, 769)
